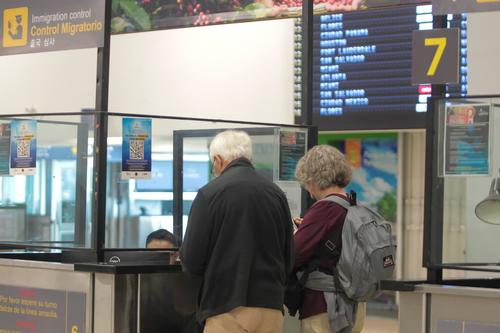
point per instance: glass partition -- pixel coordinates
(464, 211)
(46, 167)
(51, 164)
(180, 166)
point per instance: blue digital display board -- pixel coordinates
(362, 68)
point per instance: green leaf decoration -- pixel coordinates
(257, 9)
(119, 24)
(136, 13)
(114, 5)
(387, 206)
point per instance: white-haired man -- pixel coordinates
(239, 239)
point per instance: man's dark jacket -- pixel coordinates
(239, 238)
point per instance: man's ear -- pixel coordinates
(217, 159)
(217, 164)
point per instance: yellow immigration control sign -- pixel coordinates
(29, 26)
(15, 27)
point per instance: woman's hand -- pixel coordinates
(297, 220)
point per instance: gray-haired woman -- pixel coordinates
(323, 171)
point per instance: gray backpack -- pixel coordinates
(368, 251)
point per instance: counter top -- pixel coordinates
(128, 268)
(36, 264)
(424, 286)
(399, 285)
(457, 290)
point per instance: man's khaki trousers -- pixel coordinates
(246, 320)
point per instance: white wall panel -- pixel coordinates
(234, 71)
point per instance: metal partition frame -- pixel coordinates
(434, 195)
(96, 251)
(82, 129)
(179, 137)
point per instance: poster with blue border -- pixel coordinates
(23, 147)
(467, 140)
(4, 149)
(136, 148)
(292, 148)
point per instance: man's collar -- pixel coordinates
(239, 162)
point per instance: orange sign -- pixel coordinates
(353, 152)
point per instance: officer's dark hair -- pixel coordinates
(162, 235)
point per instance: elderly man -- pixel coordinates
(239, 239)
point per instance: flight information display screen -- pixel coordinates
(362, 68)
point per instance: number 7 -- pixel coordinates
(441, 45)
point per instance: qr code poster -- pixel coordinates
(23, 147)
(136, 148)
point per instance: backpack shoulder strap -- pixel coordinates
(329, 245)
(338, 200)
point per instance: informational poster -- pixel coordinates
(24, 310)
(4, 149)
(444, 7)
(23, 147)
(136, 148)
(374, 158)
(467, 140)
(292, 148)
(29, 26)
(293, 193)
